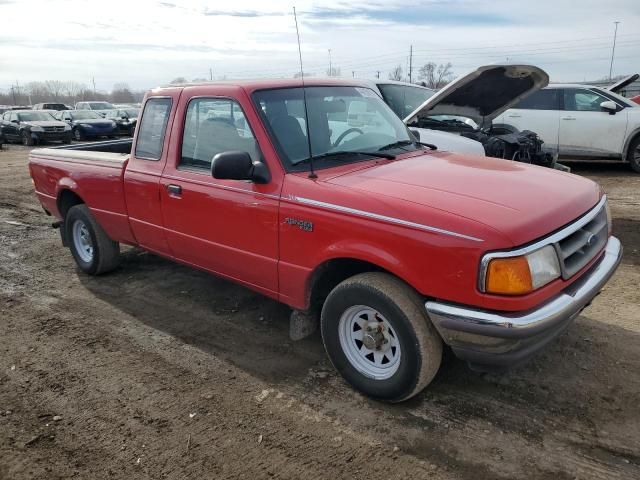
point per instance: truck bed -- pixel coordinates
(100, 166)
(109, 151)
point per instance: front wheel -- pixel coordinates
(378, 336)
(78, 135)
(27, 139)
(633, 156)
(92, 249)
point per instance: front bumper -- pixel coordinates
(51, 136)
(488, 339)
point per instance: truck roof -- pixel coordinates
(262, 84)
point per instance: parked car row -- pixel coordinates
(41, 125)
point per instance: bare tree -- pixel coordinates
(396, 73)
(435, 76)
(179, 80)
(56, 88)
(333, 72)
(121, 93)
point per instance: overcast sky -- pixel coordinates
(146, 43)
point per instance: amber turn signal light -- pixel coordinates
(509, 276)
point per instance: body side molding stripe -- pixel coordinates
(383, 218)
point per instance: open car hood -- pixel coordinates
(620, 84)
(484, 93)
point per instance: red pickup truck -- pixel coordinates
(321, 198)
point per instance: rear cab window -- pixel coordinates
(153, 128)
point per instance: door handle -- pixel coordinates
(568, 118)
(174, 189)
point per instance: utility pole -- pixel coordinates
(330, 66)
(410, 61)
(13, 92)
(93, 80)
(211, 74)
(613, 50)
(353, 73)
(378, 74)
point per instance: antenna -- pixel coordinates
(312, 174)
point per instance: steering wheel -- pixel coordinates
(345, 133)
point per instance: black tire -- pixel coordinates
(400, 305)
(78, 135)
(633, 155)
(106, 253)
(67, 139)
(27, 139)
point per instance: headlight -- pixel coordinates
(521, 274)
(86, 125)
(67, 128)
(113, 124)
(36, 128)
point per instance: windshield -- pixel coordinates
(84, 115)
(341, 119)
(100, 106)
(404, 99)
(35, 117)
(132, 112)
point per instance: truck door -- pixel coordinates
(229, 227)
(142, 175)
(587, 130)
(539, 112)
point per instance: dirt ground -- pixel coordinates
(159, 371)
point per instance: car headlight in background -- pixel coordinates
(518, 275)
(86, 125)
(67, 128)
(113, 124)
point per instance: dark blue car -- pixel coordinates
(87, 124)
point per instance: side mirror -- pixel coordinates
(15, 121)
(415, 133)
(236, 165)
(609, 106)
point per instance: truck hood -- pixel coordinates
(483, 93)
(523, 202)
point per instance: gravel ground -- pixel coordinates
(159, 371)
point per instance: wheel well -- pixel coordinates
(633, 137)
(66, 200)
(329, 274)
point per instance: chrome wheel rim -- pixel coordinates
(636, 154)
(82, 241)
(76, 134)
(369, 342)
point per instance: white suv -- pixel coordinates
(581, 122)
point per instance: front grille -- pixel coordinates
(53, 129)
(579, 247)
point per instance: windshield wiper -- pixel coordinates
(398, 144)
(341, 153)
(403, 143)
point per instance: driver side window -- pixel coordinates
(212, 126)
(582, 100)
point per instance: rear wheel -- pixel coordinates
(27, 139)
(633, 155)
(92, 249)
(378, 336)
